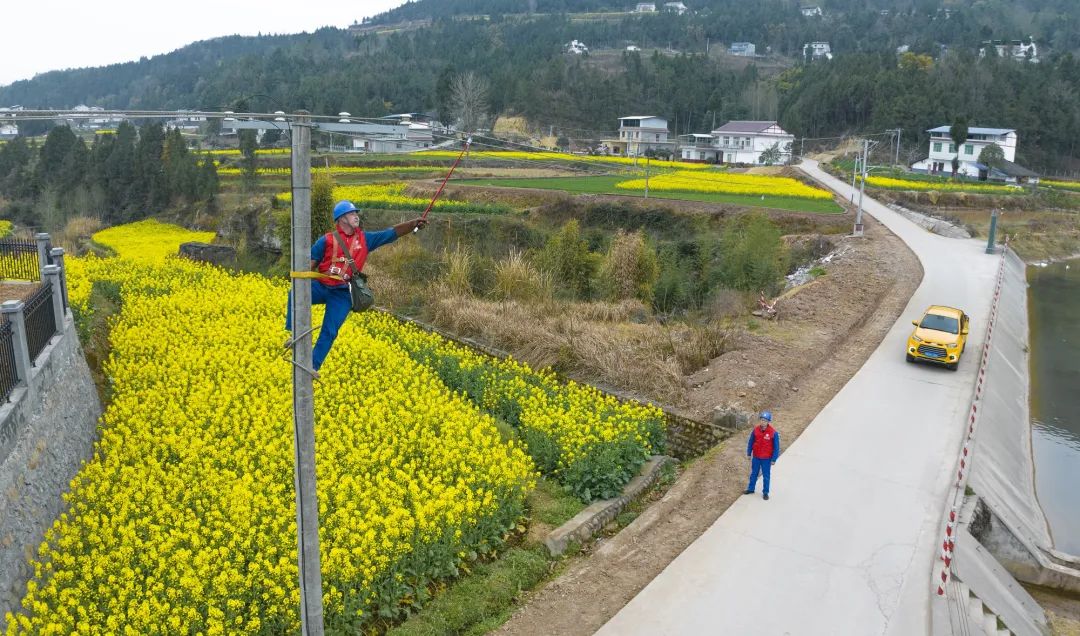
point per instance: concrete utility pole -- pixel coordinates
(897, 160)
(993, 231)
(858, 231)
(307, 504)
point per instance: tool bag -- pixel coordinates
(361, 294)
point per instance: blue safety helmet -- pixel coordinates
(342, 208)
(766, 415)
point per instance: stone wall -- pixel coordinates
(205, 252)
(47, 430)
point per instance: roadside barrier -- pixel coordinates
(956, 498)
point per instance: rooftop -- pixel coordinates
(974, 130)
(745, 127)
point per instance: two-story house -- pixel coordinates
(738, 142)
(639, 134)
(742, 49)
(645, 7)
(1019, 50)
(943, 150)
(817, 51)
(8, 128)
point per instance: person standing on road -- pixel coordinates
(328, 257)
(762, 448)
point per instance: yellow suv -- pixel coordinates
(939, 337)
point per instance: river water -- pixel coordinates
(1054, 312)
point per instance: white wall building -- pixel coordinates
(639, 134)
(811, 11)
(1019, 50)
(738, 142)
(942, 150)
(8, 128)
(645, 7)
(817, 51)
(742, 49)
(577, 47)
(677, 7)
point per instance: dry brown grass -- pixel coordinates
(516, 278)
(76, 233)
(593, 341)
(1035, 235)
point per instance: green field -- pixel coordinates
(606, 185)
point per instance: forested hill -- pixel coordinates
(866, 87)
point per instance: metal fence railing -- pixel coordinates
(9, 374)
(19, 260)
(40, 320)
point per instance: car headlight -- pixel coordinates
(916, 338)
(951, 345)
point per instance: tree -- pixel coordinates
(248, 145)
(958, 132)
(469, 101)
(771, 155)
(992, 156)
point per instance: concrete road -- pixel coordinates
(849, 537)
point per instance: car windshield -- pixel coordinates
(948, 324)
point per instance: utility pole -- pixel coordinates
(858, 232)
(307, 504)
(897, 160)
(853, 171)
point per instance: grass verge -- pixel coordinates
(606, 185)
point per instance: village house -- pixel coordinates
(8, 128)
(942, 151)
(677, 7)
(811, 12)
(639, 134)
(1018, 50)
(742, 49)
(645, 7)
(738, 142)
(816, 50)
(577, 47)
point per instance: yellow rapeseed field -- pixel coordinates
(339, 170)
(1064, 185)
(511, 155)
(889, 183)
(392, 196)
(727, 183)
(184, 519)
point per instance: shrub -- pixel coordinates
(458, 271)
(516, 278)
(566, 255)
(753, 256)
(630, 268)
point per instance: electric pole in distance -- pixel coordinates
(858, 231)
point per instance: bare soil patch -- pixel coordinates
(794, 366)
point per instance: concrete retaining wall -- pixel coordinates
(1002, 470)
(46, 431)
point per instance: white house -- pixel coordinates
(645, 7)
(677, 7)
(1019, 50)
(742, 49)
(738, 142)
(639, 134)
(942, 150)
(577, 48)
(8, 128)
(817, 51)
(811, 11)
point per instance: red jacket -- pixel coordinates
(333, 261)
(764, 444)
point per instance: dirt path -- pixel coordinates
(795, 366)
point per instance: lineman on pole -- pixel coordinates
(339, 258)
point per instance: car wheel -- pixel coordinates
(909, 358)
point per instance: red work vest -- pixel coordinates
(334, 261)
(763, 442)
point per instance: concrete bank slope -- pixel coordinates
(849, 538)
(46, 432)
(1002, 469)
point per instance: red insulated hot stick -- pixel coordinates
(468, 142)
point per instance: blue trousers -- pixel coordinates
(763, 466)
(338, 304)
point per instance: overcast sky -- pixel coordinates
(35, 38)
